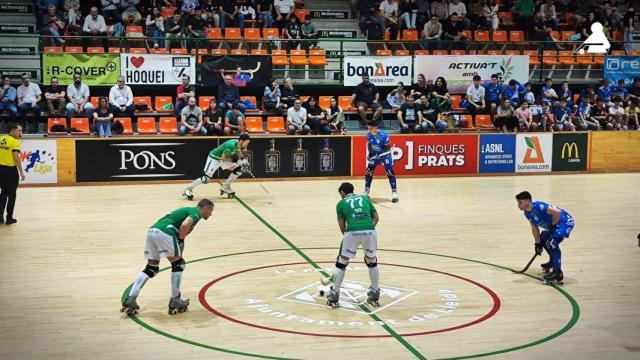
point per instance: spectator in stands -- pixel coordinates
(102, 118)
(42, 8)
(297, 119)
(283, 10)
(248, 12)
(28, 95)
(566, 94)
(545, 119)
(78, 94)
(441, 99)
(431, 33)
(453, 31)
(408, 11)
(525, 117)
(476, 96)
(599, 113)
(374, 31)
(547, 93)
(110, 9)
(293, 33)
(475, 14)
(634, 89)
(234, 121)
(191, 121)
(505, 119)
(604, 91)
(8, 98)
(129, 7)
(523, 12)
(458, 7)
(584, 26)
(228, 94)
(315, 116)
(289, 93)
(562, 119)
(72, 12)
(367, 11)
(210, 12)
(309, 31)
(528, 94)
(174, 29)
(548, 10)
(410, 117)
(271, 97)
(440, 9)
(430, 115)
(52, 25)
(514, 91)
(54, 96)
(188, 7)
(229, 13)
(493, 94)
(420, 88)
(184, 93)
(213, 119)
(616, 118)
(584, 121)
(631, 113)
(335, 116)
(423, 13)
(629, 28)
(121, 98)
(589, 91)
(491, 10)
(155, 27)
(542, 32)
(264, 12)
(620, 91)
(366, 95)
(396, 97)
(389, 17)
(94, 25)
(194, 29)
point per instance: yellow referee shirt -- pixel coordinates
(8, 144)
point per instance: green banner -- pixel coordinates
(96, 69)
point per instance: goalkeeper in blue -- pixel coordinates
(379, 149)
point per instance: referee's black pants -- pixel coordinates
(8, 186)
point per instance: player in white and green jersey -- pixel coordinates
(357, 219)
(227, 156)
(165, 238)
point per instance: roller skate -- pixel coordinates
(226, 189)
(332, 298)
(554, 277)
(546, 267)
(188, 193)
(177, 305)
(394, 196)
(367, 191)
(130, 306)
(373, 297)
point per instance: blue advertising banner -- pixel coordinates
(497, 153)
(622, 67)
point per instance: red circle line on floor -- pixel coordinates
(206, 305)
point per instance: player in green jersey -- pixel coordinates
(227, 156)
(165, 238)
(357, 219)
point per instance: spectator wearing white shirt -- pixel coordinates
(94, 25)
(431, 33)
(283, 10)
(121, 99)
(389, 14)
(615, 118)
(475, 96)
(456, 6)
(297, 119)
(78, 94)
(28, 95)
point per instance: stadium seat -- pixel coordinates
(167, 11)
(135, 29)
(494, 52)
(147, 125)
(513, 52)
(232, 35)
(137, 50)
(421, 52)
(158, 51)
(440, 52)
(455, 103)
(345, 103)
(95, 50)
(585, 59)
(299, 58)
(481, 35)
(402, 52)
(533, 56)
(304, 98)
(468, 121)
(73, 49)
(598, 59)
(483, 122)
(618, 52)
(252, 35)
(168, 125)
(254, 124)
(555, 35)
(126, 124)
(318, 58)
(468, 34)
(163, 104)
(499, 36)
(275, 124)
(253, 100)
(214, 35)
(94, 101)
(565, 35)
(618, 36)
(301, 14)
(549, 57)
(270, 33)
(143, 100)
(81, 125)
(203, 102)
(456, 52)
(239, 52)
(179, 51)
(221, 51)
(324, 102)
(410, 35)
(505, 17)
(52, 49)
(279, 58)
(114, 50)
(56, 121)
(566, 58)
(516, 35)
(200, 53)
(383, 52)
(259, 52)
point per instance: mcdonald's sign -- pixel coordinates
(570, 151)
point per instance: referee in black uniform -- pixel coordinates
(10, 166)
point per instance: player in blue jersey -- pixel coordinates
(557, 223)
(379, 152)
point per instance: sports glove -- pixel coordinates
(234, 158)
(180, 241)
(538, 248)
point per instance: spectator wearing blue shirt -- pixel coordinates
(8, 98)
(604, 91)
(234, 121)
(547, 93)
(492, 93)
(566, 94)
(528, 94)
(561, 112)
(228, 94)
(513, 91)
(620, 91)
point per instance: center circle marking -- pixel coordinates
(494, 308)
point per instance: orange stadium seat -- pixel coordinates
(203, 102)
(383, 52)
(275, 124)
(147, 125)
(221, 51)
(137, 50)
(167, 11)
(253, 100)
(324, 101)
(239, 52)
(94, 101)
(279, 58)
(455, 103)
(73, 49)
(143, 100)
(163, 104)
(566, 58)
(254, 124)
(516, 35)
(549, 57)
(345, 103)
(80, 124)
(299, 58)
(468, 121)
(179, 51)
(270, 33)
(566, 34)
(158, 51)
(499, 36)
(483, 122)
(505, 17)
(252, 35)
(440, 52)
(95, 50)
(214, 35)
(53, 49)
(318, 57)
(168, 125)
(56, 121)
(513, 52)
(402, 52)
(456, 52)
(533, 56)
(410, 35)
(481, 35)
(126, 124)
(494, 52)
(259, 52)
(114, 50)
(420, 52)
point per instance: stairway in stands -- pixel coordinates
(18, 45)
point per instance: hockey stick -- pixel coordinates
(526, 267)
(253, 176)
(375, 157)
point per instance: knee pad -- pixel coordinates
(205, 179)
(151, 270)
(341, 265)
(237, 171)
(178, 265)
(371, 262)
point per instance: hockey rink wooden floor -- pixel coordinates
(445, 253)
